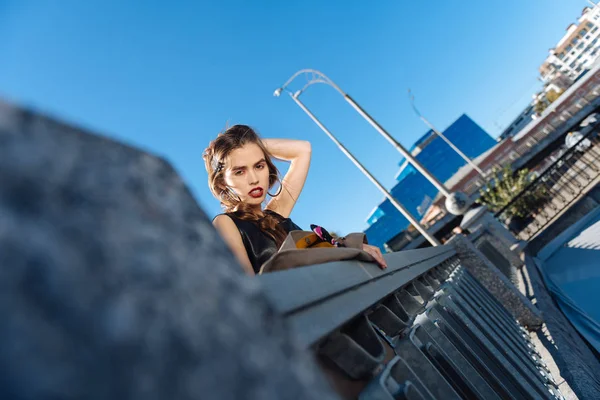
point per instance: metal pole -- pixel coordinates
(439, 186)
(440, 134)
(403, 211)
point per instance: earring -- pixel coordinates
(280, 187)
(276, 194)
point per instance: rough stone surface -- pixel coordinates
(574, 359)
(496, 283)
(497, 258)
(500, 246)
(496, 228)
(114, 284)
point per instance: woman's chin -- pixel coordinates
(255, 201)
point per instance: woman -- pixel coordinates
(240, 175)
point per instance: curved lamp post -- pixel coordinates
(440, 134)
(313, 77)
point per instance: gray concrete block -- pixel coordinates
(114, 284)
(497, 251)
(496, 283)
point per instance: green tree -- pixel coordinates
(549, 98)
(505, 185)
(552, 95)
(540, 106)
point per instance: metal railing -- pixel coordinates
(557, 186)
(530, 144)
(424, 328)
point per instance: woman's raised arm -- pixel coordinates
(298, 153)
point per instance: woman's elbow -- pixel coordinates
(306, 147)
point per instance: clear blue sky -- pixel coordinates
(167, 76)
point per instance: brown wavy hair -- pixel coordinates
(214, 161)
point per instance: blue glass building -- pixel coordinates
(413, 190)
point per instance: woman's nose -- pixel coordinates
(253, 178)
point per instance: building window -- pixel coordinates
(582, 32)
(581, 45)
(568, 49)
(561, 56)
(572, 64)
(589, 25)
(567, 59)
(595, 29)
(574, 41)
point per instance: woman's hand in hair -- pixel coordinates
(376, 253)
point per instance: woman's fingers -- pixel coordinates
(376, 253)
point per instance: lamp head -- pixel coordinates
(277, 92)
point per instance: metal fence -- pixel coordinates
(559, 124)
(422, 329)
(556, 187)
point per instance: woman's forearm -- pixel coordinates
(298, 153)
(287, 149)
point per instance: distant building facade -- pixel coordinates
(520, 122)
(574, 54)
(576, 51)
(413, 190)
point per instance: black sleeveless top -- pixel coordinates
(260, 246)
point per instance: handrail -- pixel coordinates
(548, 170)
(318, 299)
(409, 328)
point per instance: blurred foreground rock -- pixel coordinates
(114, 284)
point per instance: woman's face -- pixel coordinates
(247, 173)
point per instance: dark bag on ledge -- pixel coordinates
(304, 248)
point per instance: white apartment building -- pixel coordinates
(577, 49)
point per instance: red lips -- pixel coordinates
(256, 192)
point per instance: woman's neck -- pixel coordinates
(257, 210)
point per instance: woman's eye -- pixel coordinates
(260, 166)
(238, 173)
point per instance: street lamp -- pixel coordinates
(440, 134)
(456, 203)
(430, 238)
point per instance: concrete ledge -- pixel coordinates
(497, 251)
(496, 283)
